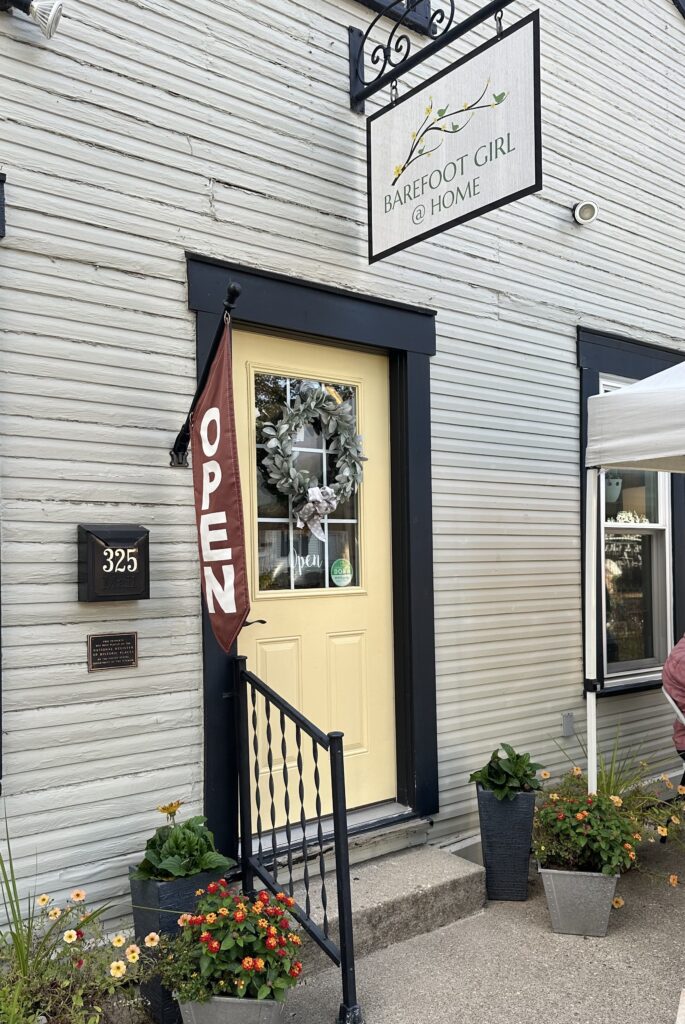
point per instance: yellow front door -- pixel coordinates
(327, 643)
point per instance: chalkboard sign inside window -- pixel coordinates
(113, 563)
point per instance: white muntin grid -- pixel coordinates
(269, 520)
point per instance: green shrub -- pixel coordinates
(507, 776)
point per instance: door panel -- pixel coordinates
(327, 643)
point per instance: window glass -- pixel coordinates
(291, 558)
(629, 575)
(631, 496)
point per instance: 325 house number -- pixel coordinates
(120, 560)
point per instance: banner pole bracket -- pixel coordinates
(394, 57)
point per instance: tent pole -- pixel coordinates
(591, 565)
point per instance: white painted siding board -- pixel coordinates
(134, 136)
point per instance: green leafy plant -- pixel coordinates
(56, 963)
(509, 775)
(179, 850)
(232, 946)
(574, 831)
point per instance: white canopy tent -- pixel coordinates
(641, 426)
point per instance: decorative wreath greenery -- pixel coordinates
(338, 426)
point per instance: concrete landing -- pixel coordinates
(401, 895)
(506, 966)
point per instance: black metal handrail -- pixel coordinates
(263, 862)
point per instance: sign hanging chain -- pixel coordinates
(498, 23)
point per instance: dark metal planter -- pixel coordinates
(506, 830)
(156, 908)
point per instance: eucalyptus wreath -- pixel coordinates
(336, 420)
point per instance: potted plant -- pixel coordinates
(582, 843)
(56, 961)
(180, 859)
(613, 483)
(506, 788)
(235, 958)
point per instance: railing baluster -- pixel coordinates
(286, 801)
(258, 795)
(272, 788)
(303, 821)
(319, 835)
(350, 1011)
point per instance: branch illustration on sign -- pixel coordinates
(440, 124)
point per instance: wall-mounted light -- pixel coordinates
(45, 13)
(585, 212)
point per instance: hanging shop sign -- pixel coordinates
(113, 563)
(466, 142)
(218, 503)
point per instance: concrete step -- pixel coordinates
(396, 897)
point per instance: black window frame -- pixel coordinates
(419, 19)
(600, 353)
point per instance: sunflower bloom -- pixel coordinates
(117, 969)
(618, 902)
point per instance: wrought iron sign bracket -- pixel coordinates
(394, 57)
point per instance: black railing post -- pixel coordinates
(241, 685)
(350, 1011)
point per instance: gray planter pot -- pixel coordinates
(506, 831)
(156, 908)
(223, 1010)
(579, 901)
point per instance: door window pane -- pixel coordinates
(293, 558)
(628, 570)
(631, 496)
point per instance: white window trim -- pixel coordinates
(664, 588)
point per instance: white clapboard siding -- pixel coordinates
(138, 134)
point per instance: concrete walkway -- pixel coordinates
(506, 966)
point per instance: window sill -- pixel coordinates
(635, 686)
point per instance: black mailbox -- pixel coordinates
(113, 563)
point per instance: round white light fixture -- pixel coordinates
(45, 13)
(585, 212)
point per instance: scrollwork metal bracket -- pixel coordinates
(394, 57)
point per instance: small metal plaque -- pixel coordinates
(112, 650)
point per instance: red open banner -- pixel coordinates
(218, 503)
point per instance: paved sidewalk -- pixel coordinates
(506, 966)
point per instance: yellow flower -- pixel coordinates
(618, 902)
(132, 957)
(673, 880)
(224, 911)
(429, 107)
(54, 914)
(132, 951)
(466, 106)
(637, 836)
(152, 940)
(171, 810)
(681, 790)
(70, 936)
(662, 830)
(43, 900)
(576, 771)
(545, 775)
(118, 941)
(78, 895)
(616, 801)
(398, 170)
(262, 922)
(117, 969)
(413, 135)
(211, 918)
(554, 797)
(675, 819)
(199, 892)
